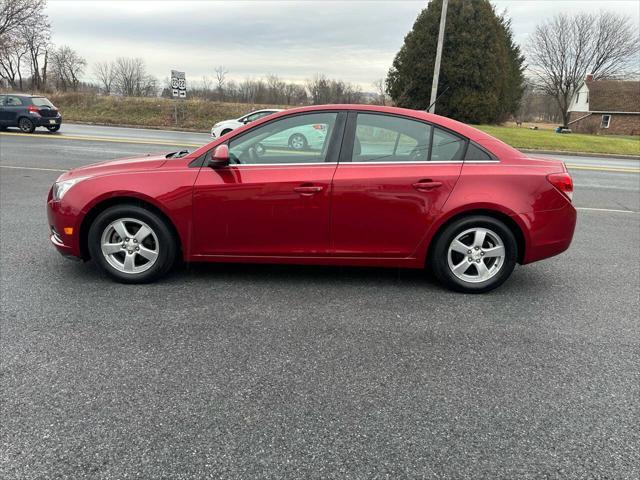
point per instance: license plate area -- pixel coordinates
(53, 122)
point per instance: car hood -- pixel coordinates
(147, 162)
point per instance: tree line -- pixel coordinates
(485, 77)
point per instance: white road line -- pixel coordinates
(33, 168)
(589, 209)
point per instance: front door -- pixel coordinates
(393, 178)
(274, 199)
(9, 110)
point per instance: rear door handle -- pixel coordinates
(308, 190)
(426, 185)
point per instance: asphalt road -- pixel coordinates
(248, 371)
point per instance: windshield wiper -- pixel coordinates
(179, 154)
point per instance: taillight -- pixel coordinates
(33, 109)
(563, 182)
(319, 126)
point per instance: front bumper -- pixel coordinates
(60, 219)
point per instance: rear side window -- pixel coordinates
(384, 138)
(41, 102)
(476, 153)
(447, 146)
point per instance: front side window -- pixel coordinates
(13, 101)
(296, 139)
(606, 119)
(384, 138)
(255, 116)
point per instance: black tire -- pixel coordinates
(26, 125)
(439, 256)
(166, 243)
(53, 128)
(297, 141)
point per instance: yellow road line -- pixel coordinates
(104, 139)
(603, 169)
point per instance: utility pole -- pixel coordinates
(436, 68)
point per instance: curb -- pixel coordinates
(583, 154)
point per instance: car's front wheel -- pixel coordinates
(26, 125)
(474, 254)
(132, 244)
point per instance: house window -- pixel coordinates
(606, 119)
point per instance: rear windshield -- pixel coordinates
(41, 102)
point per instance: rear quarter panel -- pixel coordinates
(518, 189)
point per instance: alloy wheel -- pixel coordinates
(26, 125)
(297, 142)
(476, 255)
(129, 245)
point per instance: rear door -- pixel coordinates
(394, 176)
(273, 200)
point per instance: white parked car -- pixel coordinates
(224, 127)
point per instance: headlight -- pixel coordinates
(60, 188)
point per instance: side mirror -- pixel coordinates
(220, 157)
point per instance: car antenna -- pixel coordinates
(437, 98)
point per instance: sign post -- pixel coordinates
(178, 88)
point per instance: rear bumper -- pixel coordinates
(550, 232)
(46, 121)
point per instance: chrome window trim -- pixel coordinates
(437, 162)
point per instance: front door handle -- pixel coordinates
(308, 190)
(426, 185)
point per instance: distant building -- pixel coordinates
(606, 107)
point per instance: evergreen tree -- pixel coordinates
(481, 68)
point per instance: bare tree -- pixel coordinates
(105, 73)
(12, 55)
(381, 89)
(132, 80)
(15, 13)
(221, 78)
(66, 67)
(36, 36)
(563, 50)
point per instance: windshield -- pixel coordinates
(41, 102)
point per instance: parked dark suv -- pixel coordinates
(28, 112)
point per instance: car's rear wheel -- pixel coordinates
(53, 128)
(132, 244)
(297, 141)
(474, 254)
(26, 125)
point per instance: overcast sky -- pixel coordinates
(351, 40)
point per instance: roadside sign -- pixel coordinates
(178, 84)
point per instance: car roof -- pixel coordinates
(25, 95)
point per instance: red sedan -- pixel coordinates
(373, 186)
